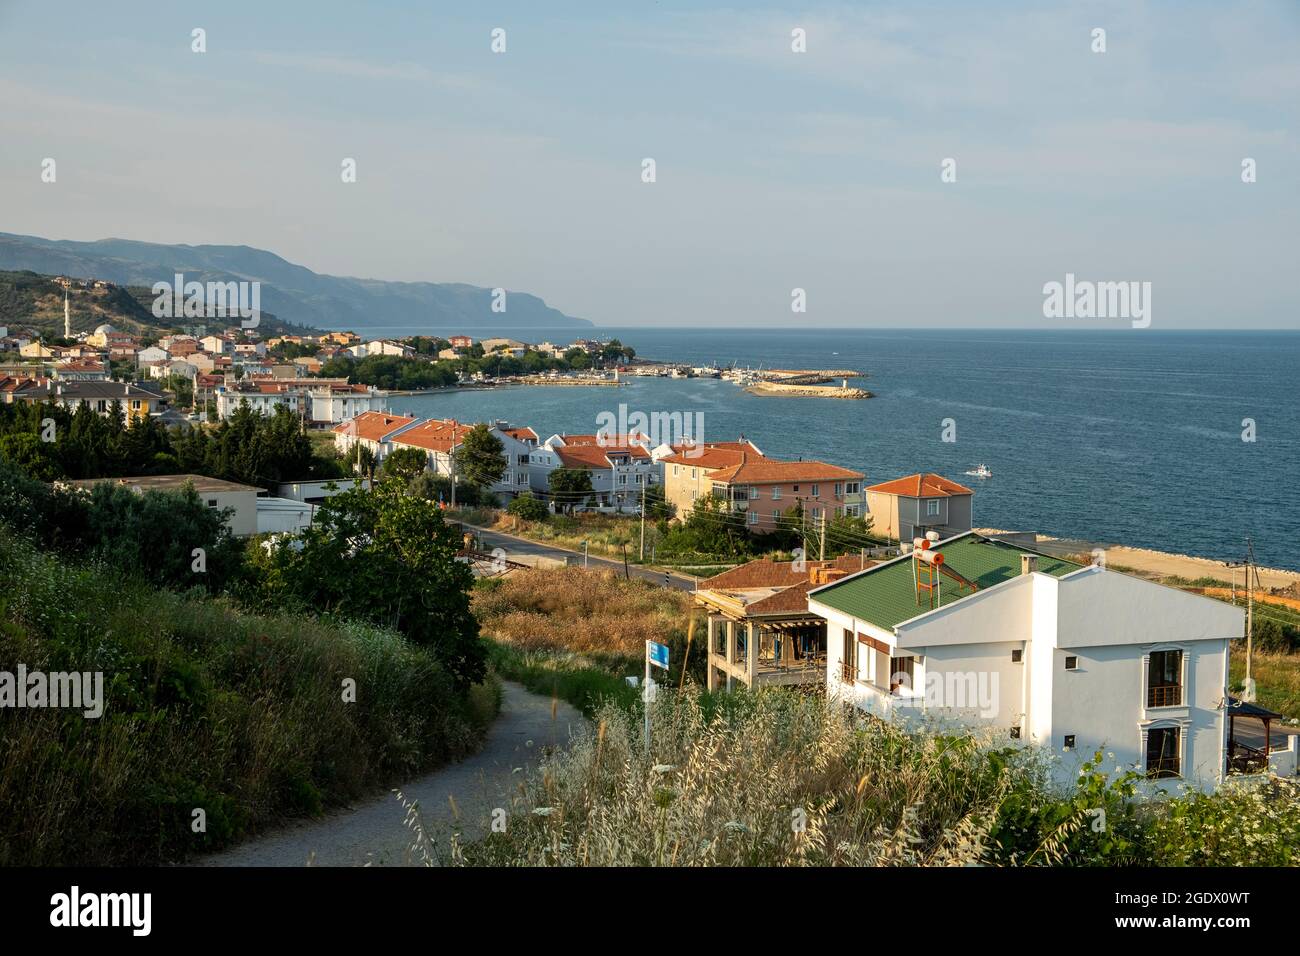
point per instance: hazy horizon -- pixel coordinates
(775, 170)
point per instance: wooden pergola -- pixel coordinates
(1243, 758)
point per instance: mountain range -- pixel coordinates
(292, 292)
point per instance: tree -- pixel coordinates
(709, 530)
(578, 359)
(528, 508)
(569, 486)
(405, 463)
(384, 556)
(480, 459)
(170, 537)
(845, 534)
(657, 506)
(365, 461)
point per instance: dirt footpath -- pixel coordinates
(374, 833)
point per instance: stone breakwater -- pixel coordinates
(806, 391)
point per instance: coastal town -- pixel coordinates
(885, 594)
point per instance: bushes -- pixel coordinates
(771, 779)
(154, 534)
(528, 508)
(205, 706)
(778, 778)
(384, 557)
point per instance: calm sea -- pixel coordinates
(1131, 436)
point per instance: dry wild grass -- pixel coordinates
(583, 611)
(775, 779)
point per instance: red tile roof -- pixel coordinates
(521, 433)
(373, 426)
(926, 485)
(436, 434)
(594, 456)
(712, 456)
(759, 471)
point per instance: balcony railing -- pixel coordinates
(1165, 695)
(847, 672)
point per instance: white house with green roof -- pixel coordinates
(1073, 657)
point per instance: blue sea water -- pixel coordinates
(1126, 436)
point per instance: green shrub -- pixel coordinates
(205, 706)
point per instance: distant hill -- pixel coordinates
(293, 293)
(30, 300)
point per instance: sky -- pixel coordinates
(774, 170)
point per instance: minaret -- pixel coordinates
(67, 316)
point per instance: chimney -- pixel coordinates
(1028, 563)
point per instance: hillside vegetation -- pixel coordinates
(780, 779)
(206, 707)
(33, 300)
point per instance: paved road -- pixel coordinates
(374, 833)
(513, 546)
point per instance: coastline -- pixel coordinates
(1164, 563)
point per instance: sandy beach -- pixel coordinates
(1162, 564)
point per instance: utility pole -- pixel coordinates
(451, 466)
(1250, 613)
(643, 491)
(1248, 584)
(821, 549)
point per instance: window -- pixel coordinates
(776, 492)
(776, 517)
(816, 514)
(902, 671)
(851, 510)
(816, 491)
(753, 517)
(1165, 679)
(694, 472)
(1069, 741)
(851, 488)
(1017, 656)
(753, 492)
(1072, 663)
(1015, 733)
(694, 494)
(932, 508)
(796, 489)
(676, 470)
(212, 502)
(1162, 752)
(848, 660)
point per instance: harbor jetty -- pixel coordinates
(804, 383)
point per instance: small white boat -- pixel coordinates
(980, 471)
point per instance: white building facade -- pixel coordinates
(1076, 659)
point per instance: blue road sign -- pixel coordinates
(658, 654)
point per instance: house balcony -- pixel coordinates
(1165, 695)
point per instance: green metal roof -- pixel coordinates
(886, 594)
